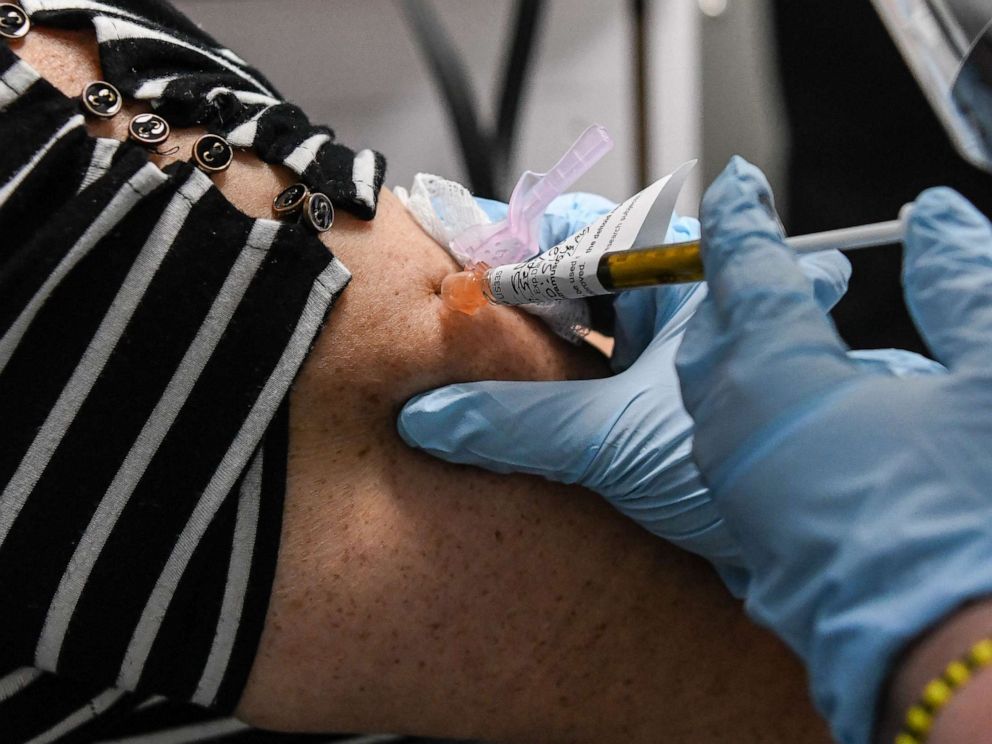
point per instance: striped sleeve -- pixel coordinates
(149, 334)
(151, 52)
(40, 708)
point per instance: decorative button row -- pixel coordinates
(211, 152)
(99, 98)
(316, 208)
(14, 22)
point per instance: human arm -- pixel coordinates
(518, 610)
(860, 500)
(967, 717)
(532, 606)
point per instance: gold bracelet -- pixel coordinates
(939, 691)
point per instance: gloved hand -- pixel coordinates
(626, 437)
(861, 503)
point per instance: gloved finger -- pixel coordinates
(829, 272)
(552, 429)
(759, 343)
(947, 276)
(896, 362)
(754, 278)
(700, 358)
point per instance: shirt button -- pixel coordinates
(212, 153)
(14, 23)
(148, 129)
(319, 212)
(102, 99)
(290, 199)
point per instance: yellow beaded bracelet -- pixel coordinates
(937, 693)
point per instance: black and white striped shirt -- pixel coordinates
(149, 334)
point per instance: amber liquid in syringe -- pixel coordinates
(676, 263)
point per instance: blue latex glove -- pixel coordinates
(861, 503)
(626, 437)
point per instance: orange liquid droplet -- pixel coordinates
(463, 292)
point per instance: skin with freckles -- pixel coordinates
(416, 596)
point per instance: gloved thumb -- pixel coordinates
(544, 428)
(829, 272)
(947, 276)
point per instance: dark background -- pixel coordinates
(864, 142)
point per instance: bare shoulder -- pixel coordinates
(416, 596)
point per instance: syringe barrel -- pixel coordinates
(675, 263)
(681, 262)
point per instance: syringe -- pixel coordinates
(674, 263)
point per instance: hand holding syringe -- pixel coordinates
(469, 291)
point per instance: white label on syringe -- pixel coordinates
(568, 270)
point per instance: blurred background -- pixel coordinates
(478, 90)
